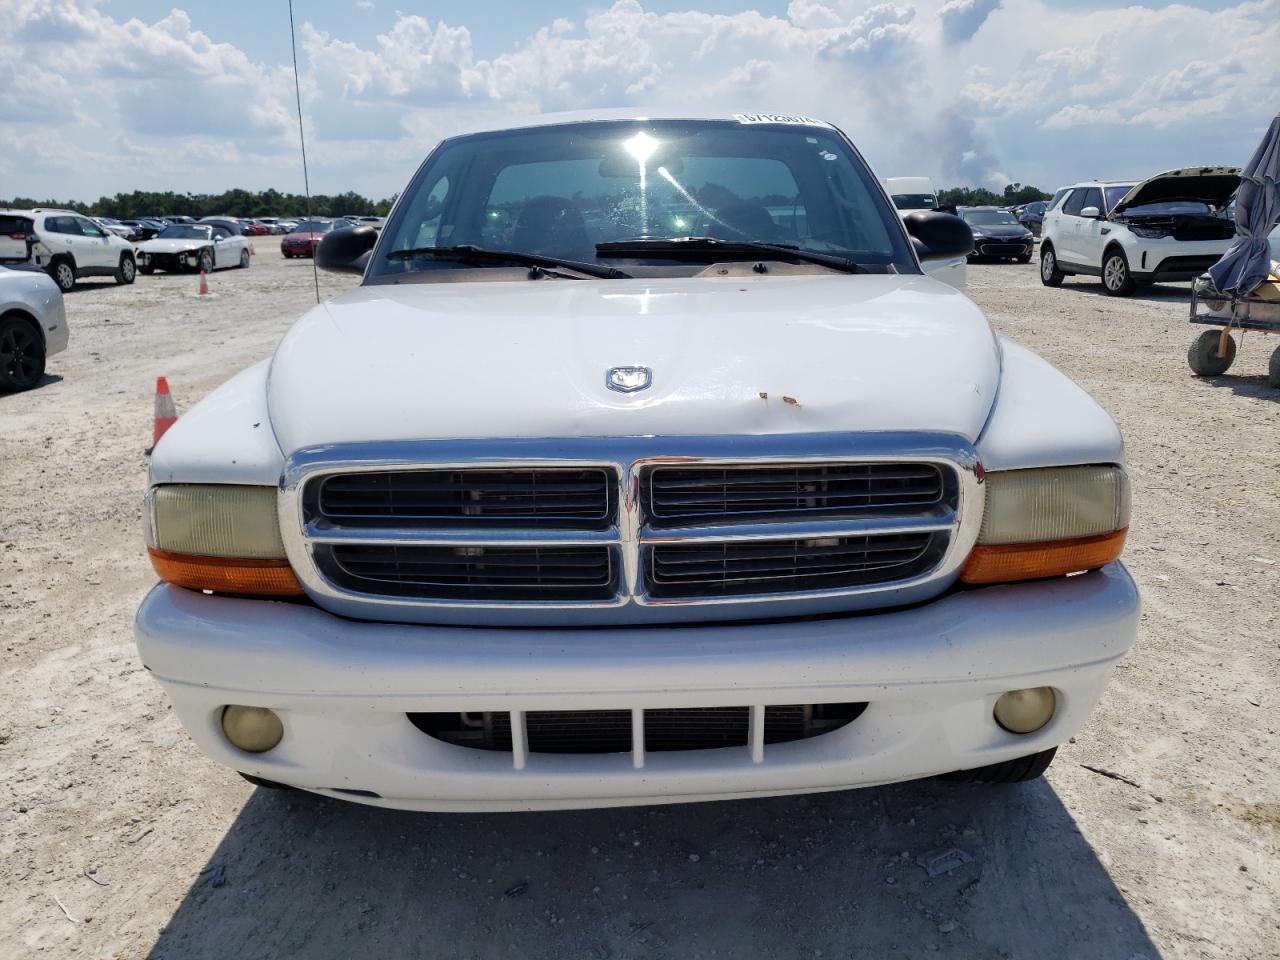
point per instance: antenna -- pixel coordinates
(302, 136)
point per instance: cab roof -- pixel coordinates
(634, 113)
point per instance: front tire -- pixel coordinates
(127, 272)
(1025, 258)
(63, 273)
(1050, 275)
(22, 355)
(205, 262)
(244, 259)
(1203, 357)
(1116, 278)
(1011, 771)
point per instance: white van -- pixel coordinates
(911, 193)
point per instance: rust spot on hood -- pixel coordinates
(791, 402)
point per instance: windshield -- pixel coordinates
(989, 217)
(1116, 193)
(558, 191)
(313, 226)
(915, 201)
(183, 231)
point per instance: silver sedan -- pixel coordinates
(33, 326)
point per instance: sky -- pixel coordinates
(106, 96)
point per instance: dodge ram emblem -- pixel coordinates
(628, 379)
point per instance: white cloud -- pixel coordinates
(963, 90)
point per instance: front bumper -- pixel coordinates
(169, 262)
(930, 675)
(1164, 259)
(998, 247)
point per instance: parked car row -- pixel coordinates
(1170, 227)
(70, 246)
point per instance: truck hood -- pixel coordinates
(728, 355)
(1211, 185)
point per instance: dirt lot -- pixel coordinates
(117, 839)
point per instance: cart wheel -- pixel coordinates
(1273, 370)
(1203, 356)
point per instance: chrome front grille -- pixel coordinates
(693, 570)
(542, 496)
(732, 494)
(514, 574)
(584, 531)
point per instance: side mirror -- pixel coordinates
(1090, 213)
(346, 250)
(938, 236)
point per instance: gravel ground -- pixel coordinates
(118, 839)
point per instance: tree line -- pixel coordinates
(234, 203)
(273, 203)
(1013, 195)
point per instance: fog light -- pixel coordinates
(1025, 711)
(252, 729)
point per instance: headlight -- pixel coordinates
(1049, 522)
(217, 537)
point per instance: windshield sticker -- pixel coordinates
(779, 118)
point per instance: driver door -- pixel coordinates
(1090, 233)
(223, 255)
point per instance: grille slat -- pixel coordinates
(572, 498)
(738, 493)
(665, 729)
(682, 570)
(473, 573)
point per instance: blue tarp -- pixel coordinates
(1248, 260)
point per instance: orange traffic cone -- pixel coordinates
(204, 288)
(166, 412)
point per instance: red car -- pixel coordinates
(304, 238)
(255, 229)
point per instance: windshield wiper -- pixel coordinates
(470, 253)
(700, 248)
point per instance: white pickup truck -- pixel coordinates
(645, 465)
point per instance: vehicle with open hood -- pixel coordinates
(646, 464)
(1167, 228)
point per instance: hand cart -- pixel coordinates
(1214, 351)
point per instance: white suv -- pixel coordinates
(1169, 227)
(69, 246)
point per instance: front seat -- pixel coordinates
(744, 221)
(553, 227)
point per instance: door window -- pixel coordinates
(1092, 198)
(1074, 203)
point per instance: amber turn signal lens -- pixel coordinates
(268, 578)
(1005, 562)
